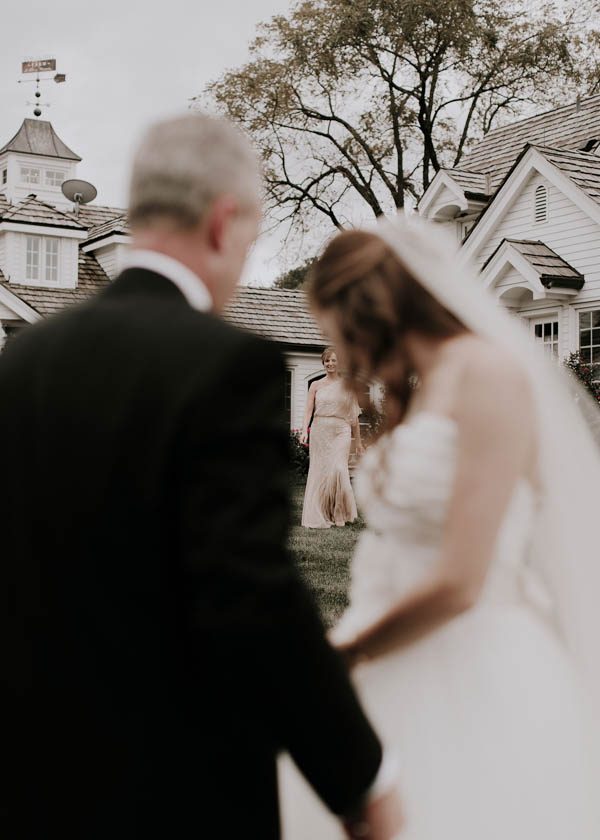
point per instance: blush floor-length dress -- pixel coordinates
(329, 498)
(485, 716)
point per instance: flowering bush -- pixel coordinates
(586, 373)
(299, 454)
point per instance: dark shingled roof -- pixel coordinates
(475, 183)
(32, 211)
(569, 127)
(552, 270)
(40, 212)
(47, 301)
(280, 315)
(112, 226)
(93, 215)
(37, 137)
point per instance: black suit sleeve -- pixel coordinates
(249, 611)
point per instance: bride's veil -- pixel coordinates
(564, 550)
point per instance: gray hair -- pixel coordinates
(183, 164)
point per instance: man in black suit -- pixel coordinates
(160, 648)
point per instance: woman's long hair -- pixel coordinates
(375, 302)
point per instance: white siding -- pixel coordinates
(111, 258)
(569, 232)
(304, 367)
(12, 256)
(16, 190)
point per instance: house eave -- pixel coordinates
(104, 240)
(43, 227)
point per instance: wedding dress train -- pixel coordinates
(485, 716)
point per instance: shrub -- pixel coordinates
(299, 454)
(586, 373)
(371, 423)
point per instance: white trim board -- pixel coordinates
(442, 181)
(18, 306)
(43, 230)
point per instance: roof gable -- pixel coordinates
(32, 211)
(445, 197)
(583, 168)
(546, 162)
(37, 137)
(519, 271)
(550, 267)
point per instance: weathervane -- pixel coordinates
(37, 66)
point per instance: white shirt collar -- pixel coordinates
(188, 283)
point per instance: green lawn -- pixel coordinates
(323, 557)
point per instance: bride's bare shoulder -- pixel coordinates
(489, 376)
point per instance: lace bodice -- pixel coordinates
(403, 486)
(334, 400)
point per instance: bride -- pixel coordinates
(472, 627)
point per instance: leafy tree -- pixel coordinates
(354, 104)
(295, 277)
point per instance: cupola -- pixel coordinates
(36, 161)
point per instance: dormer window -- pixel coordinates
(30, 175)
(41, 259)
(54, 177)
(540, 212)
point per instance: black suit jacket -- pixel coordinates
(159, 646)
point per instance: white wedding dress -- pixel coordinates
(485, 716)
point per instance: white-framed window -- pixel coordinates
(545, 331)
(589, 339)
(53, 177)
(4, 176)
(540, 206)
(41, 259)
(30, 175)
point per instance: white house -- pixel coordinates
(51, 258)
(525, 202)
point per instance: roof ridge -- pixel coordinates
(458, 169)
(120, 211)
(561, 150)
(110, 221)
(540, 115)
(525, 241)
(271, 289)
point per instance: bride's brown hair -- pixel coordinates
(375, 302)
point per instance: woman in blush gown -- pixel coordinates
(329, 498)
(473, 622)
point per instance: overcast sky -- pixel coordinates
(128, 62)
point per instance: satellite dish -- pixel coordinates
(79, 192)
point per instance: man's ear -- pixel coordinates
(220, 217)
